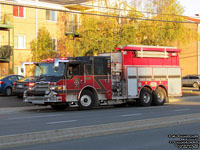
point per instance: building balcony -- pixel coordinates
(6, 21)
(5, 53)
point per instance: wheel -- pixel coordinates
(159, 96)
(87, 100)
(195, 85)
(8, 91)
(19, 96)
(121, 105)
(145, 97)
(60, 107)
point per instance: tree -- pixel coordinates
(102, 34)
(65, 43)
(97, 35)
(163, 32)
(42, 46)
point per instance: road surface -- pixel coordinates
(38, 125)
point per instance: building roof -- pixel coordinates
(65, 2)
(197, 20)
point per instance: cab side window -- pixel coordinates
(73, 70)
(99, 66)
(88, 69)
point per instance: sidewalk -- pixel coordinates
(191, 92)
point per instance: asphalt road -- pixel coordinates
(154, 139)
(42, 119)
(12, 101)
(19, 121)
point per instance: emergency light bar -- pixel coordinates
(57, 61)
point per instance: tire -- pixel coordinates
(120, 105)
(19, 96)
(60, 107)
(159, 96)
(87, 100)
(8, 91)
(145, 97)
(195, 85)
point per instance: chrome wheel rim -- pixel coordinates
(85, 100)
(146, 97)
(8, 91)
(160, 97)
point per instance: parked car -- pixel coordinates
(21, 85)
(191, 80)
(6, 83)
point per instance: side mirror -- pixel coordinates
(25, 63)
(22, 70)
(56, 68)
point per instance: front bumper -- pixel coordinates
(18, 91)
(51, 97)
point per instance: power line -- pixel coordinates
(95, 14)
(133, 10)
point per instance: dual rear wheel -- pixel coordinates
(157, 97)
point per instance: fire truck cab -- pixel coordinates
(145, 74)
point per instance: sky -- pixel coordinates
(191, 7)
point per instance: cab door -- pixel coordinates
(75, 78)
(102, 75)
(88, 79)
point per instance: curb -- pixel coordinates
(94, 130)
(191, 93)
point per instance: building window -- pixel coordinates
(18, 11)
(20, 42)
(54, 44)
(72, 23)
(0, 12)
(51, 15)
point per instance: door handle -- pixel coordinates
(81, 81)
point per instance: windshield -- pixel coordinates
(47, 69)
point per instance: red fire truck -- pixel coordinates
(145, 74)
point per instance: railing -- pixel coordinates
(6, 19)
(5, 52)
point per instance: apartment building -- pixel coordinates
(23, 21)
(190, 51)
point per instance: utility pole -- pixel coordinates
(198, 70)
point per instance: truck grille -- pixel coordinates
(41, 86)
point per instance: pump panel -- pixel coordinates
(132, 81)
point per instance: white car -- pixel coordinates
(191, 80)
